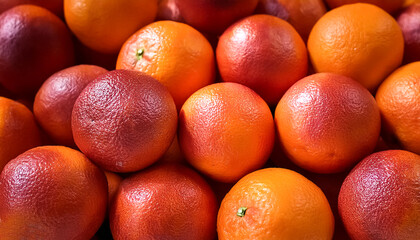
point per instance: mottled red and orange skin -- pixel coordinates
(51, 192)
(264, 53)
(124, 120)
(55, 6)
(34, 44)
(18, 130)
(380, 198)
(55, 99)
(326, 123)
(214, 16)
(409, 21)
(167, 201)
(388, 5)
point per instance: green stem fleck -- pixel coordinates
(140, 53)
(241, 211)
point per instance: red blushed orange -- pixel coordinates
(124, 120)
(167, 201)
(51, 192)
(326, 123)
(34, 44)
(264, 53)
(380, 198)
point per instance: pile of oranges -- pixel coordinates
(210, 119)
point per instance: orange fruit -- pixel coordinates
(124, 120)
(54, 101)
(263, 53)
(18, 130)
(275, 203)
(214, 16)
(174, 153)
(167, 201)
(387, 5)
(55, 6)
(326, 123)
(302, 14)
(34, 43)
(409, 21)
(174, 53)
(114, 181)
(360, 41)
(380, 198)
(226, 131)
(398, 99)
(51, 192)
(104, 25)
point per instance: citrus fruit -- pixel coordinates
(34, 43)
(55, 6)
(114, 180)
(275, 203)
(124, 120)
(104, 25)
(51, 192)
(226, 131)
(326, 123)
(18, 130)
(388, 5)
(360, 41)
(174, 53)
(166, 201)
(174, 153)
(302, 14)
(398, 98)
(54, 101)
(214, 16)
(409, 21)
(264, 53)
(380, 198)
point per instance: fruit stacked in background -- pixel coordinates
(219, 120)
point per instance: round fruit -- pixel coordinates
(387, 5)
(398, 99)
(302, 14)
(34, 43)
(327, 122)
(166, 201)
(214, 16)
(55, 6)
(55, 99)
(114, 182)
(18, 130)
(275, 203)
(380, 198)
(174, 53)
(226, 131)
(409, 21)
(51, 192)
(104, 25)
(124, 120)
(360, 41)
(264, 53)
